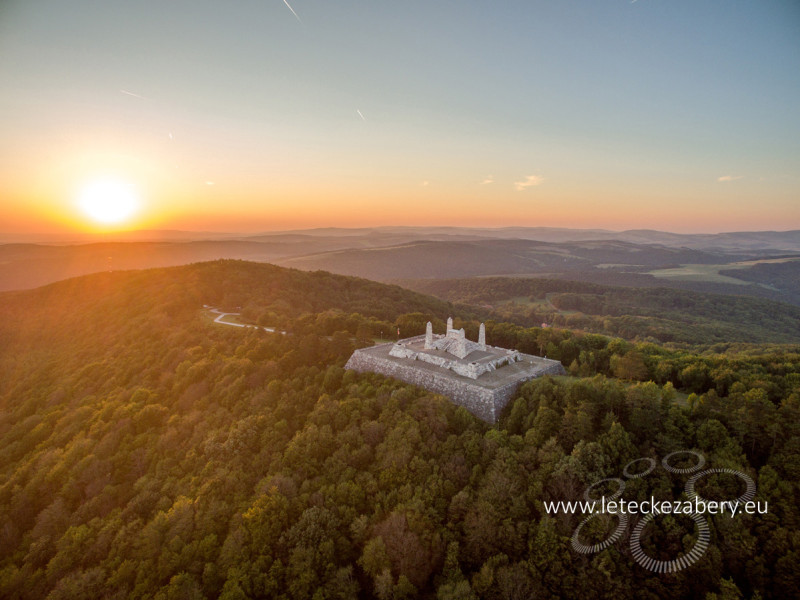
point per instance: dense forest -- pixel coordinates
(660, 315)
(147, 452)
(780, 274)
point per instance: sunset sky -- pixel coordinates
(258, 115)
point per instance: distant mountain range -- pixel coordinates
(733, 241)
(765, 264)
(788, 241)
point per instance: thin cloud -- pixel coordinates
(360, 115)
(489, 179)
(529, 181)
(727, 178)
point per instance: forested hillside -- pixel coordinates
(783, 275)
(147, 452)
(646, 314)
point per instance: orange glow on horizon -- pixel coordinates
(193, 194)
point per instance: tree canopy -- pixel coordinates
(146, 452)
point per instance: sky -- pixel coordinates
(259, 115)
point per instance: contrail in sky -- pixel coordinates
(360, 115)
(291, 9)
(132, 94)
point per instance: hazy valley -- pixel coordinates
(763, 264)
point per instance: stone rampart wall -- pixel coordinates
(480, 401)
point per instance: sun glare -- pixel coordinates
(108, 201)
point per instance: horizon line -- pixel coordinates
(251, 233)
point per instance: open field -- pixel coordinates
(763, 261)
(707, 273)
(710, 273)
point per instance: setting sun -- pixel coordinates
(108, 201)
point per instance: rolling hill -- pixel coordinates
(495, 257)
(634, 258)
(656, 314)
(601, 262)
(147, 452)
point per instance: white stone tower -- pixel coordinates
(482, 337)
(428, 336)
(449, 324)
(460, 349)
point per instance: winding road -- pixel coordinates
(222, 315)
